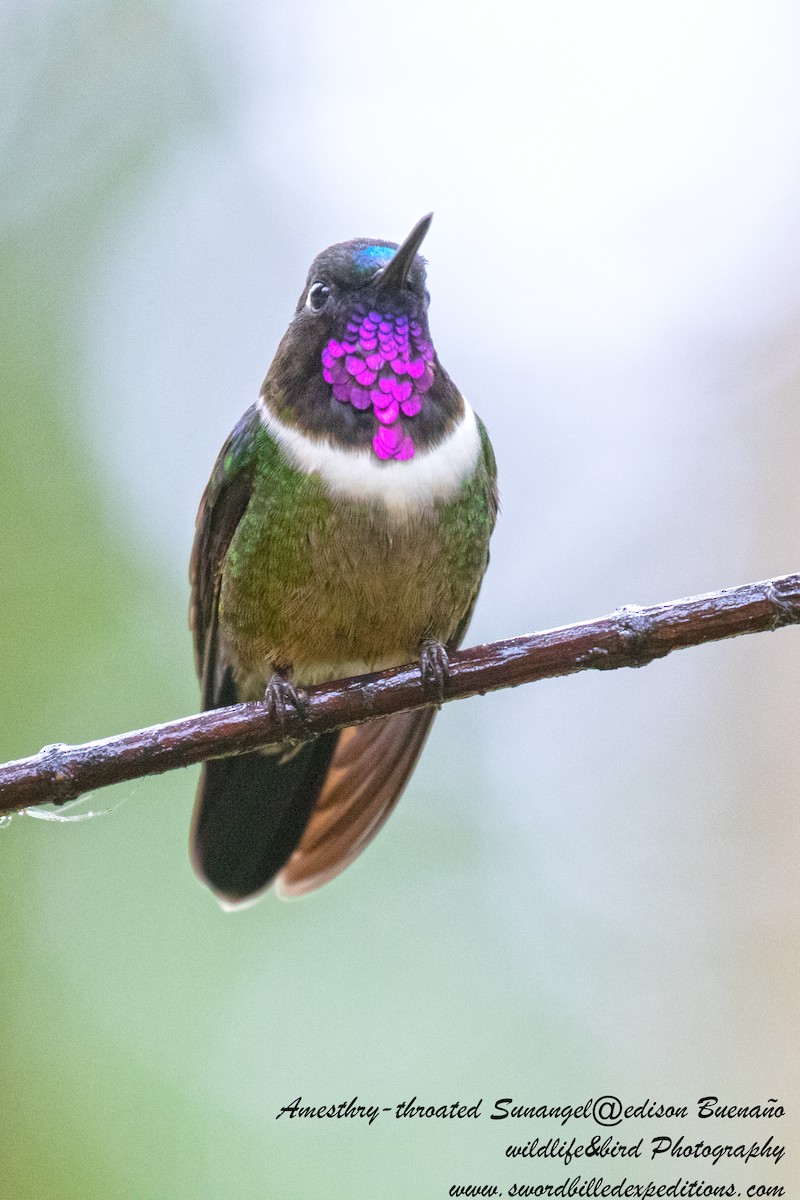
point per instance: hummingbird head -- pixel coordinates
(357, 364)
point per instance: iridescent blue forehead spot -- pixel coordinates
(372, 258)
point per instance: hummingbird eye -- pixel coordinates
(318, 295)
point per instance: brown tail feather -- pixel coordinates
(369, 770)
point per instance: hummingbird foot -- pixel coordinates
(281, 696)
(434, 666)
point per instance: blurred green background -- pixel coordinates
(590, 885)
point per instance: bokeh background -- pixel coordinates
(591, 884)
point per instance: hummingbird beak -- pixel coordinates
(394, 275)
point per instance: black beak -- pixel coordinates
(394, 275)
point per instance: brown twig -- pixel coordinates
(630, 637)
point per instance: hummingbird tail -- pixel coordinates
(250, 813)
(368, 771)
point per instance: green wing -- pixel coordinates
(221, 509)
(492, 503)
(490, 466)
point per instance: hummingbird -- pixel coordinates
(345, 528)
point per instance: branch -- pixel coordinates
(629, 637)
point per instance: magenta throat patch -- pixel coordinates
(385, 363)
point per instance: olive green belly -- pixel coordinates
(318, 582)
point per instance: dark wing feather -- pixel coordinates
(221, 509)
(251, 811)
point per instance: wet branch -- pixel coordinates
(629, 637)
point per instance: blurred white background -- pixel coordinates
(591, 884)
